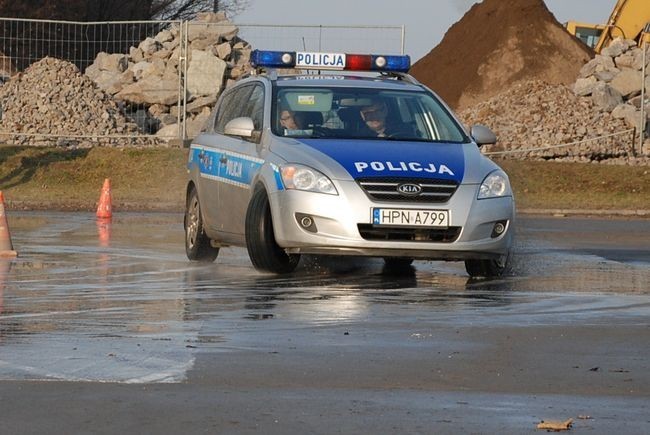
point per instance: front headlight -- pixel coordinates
(495, 185)
(304, 178)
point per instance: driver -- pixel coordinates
(374, 115)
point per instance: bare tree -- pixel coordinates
(117, 10)
(187, 9)
(78, 10)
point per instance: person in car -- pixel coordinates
(375, 117)
(290, 120)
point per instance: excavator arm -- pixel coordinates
(628, 19)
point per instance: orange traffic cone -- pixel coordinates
(104, 209)
(6, 248)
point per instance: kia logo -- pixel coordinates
(409, 189)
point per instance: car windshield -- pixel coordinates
(353, 113)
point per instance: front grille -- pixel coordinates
(443, 235)
(385, 189)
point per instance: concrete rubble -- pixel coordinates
(535, 114)
(52, 97)
(614, 80)
(125, 94)
(149, 75)
(604, 100)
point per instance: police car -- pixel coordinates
(339, 163)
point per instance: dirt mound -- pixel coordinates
(497, 44)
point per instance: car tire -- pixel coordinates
(488, 268)
(264, 252)
(197, 243)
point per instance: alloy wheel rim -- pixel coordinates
(193, 223)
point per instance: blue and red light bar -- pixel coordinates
(329, 61)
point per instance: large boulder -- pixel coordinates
(117, 63)
(205, 74)
(215, 32)
(109, 81)
(149, 46)
(617, 47)
(606, 97)
(597, 64)
(629, 113)
(168, 132)
(150, 90)
(628, 83)
(584, 87)
(195, 125)
(633, 59)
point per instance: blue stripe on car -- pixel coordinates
(377, 158)
(224, 166)
(279, 184)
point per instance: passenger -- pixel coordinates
(290, 120)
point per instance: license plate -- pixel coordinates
(410, 218)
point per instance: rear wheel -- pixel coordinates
(197, 243)
(264, 252)
(488, 268)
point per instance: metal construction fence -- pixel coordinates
(149, 90)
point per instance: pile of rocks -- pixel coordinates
(52, 98)
(147, 79)
(535, 114)
(613, 80)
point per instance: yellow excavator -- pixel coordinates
(629, 19)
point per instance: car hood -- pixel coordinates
(354, 159)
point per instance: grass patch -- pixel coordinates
(580, 186)
(59, 178)
(155, 178)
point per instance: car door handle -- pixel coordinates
(223, 159)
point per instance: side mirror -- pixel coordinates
(243, 127)
(483, 135)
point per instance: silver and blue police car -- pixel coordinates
(344, 164)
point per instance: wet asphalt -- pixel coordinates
(107, 328)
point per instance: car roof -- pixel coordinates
(347, 81)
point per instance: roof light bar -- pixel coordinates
(329, 61)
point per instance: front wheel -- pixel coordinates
(488, 268)
(197, 243)
(264, 252)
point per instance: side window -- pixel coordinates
(232, 106)
(224, 107)
(255, 107)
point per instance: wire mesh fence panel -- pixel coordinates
(215, 54)
(609, 146)
(82, 84)
(345, 39)
(140, 83)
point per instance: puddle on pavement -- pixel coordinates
(119, 302)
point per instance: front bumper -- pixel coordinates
(336, 220)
